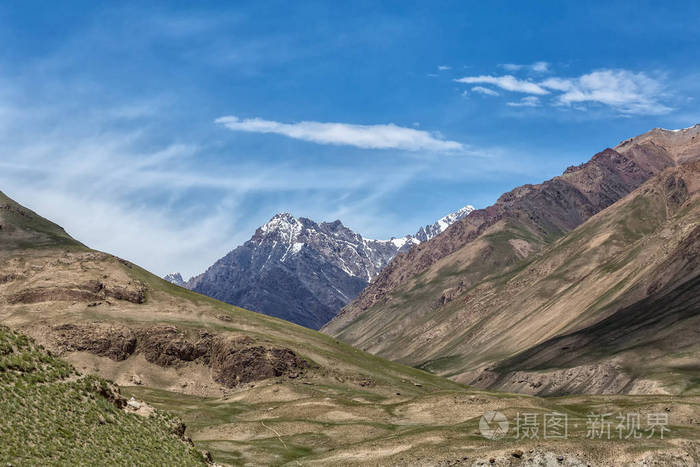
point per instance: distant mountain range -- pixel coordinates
(588, 282)
(303, 271)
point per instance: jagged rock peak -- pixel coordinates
(175, 278)
(282, 221)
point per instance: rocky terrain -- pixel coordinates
(233, 361)
(301, 271)
(558, 286)
(251, 389)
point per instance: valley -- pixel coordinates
(256, 390)
(350, 234)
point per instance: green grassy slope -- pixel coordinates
(52, 416)
(22, 228)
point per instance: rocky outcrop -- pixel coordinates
(234, 365)
(88, 291)
(51, 294)
(234, 360)
(167, 346)
(114, 342)
(6, 278)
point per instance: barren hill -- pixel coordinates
(545, 261)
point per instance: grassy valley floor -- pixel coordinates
(316, 423)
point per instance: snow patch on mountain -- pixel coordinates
(430, 231)
(680, 129)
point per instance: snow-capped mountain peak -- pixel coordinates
(453, 217)
(283, 222)
(303, 271)
(429, 231)
(175, 278)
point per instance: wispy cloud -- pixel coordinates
(538, 67)
(529, 101)
(385, 136)
(485, 91)
(161, 207)
(168, 205)
(625, 91)
(182, 201)
(444, 67)
(506, 82)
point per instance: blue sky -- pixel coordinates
(167, 132)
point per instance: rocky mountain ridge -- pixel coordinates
(601, 241)
(303, 271)
(545, 211)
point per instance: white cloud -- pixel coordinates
(506, 82)
(485, 91)
(625, 91)
(538, 67)
(444, 67)
(529, 101)
(388, 136)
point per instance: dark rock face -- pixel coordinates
(301, 271)
(234, 366)
(166, 346)
(296, 270)
(114, 342)
(235, 361)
